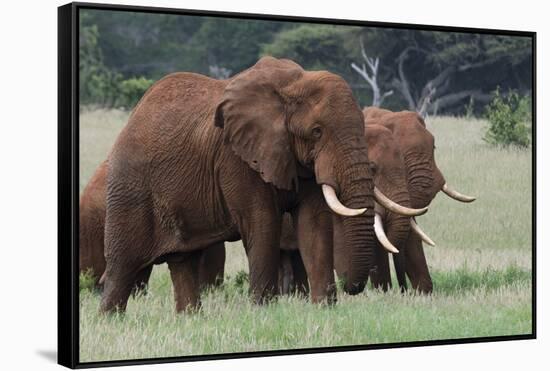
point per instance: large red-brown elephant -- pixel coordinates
(203, 161)
(424, 181)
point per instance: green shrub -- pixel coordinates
(132, 90)
(241, 279)
(509, 120)
(87, 281)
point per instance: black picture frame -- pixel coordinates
(68, 184)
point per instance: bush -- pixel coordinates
(87, 281)
(132, 90)
(509, 120)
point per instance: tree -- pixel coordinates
(428, 71)
(229, 44)
(97, 82)
(314, 47)
(440, 71)
(372, 78)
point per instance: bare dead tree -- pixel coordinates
(401, 82)
(434, 94)
(426, 101)
(372, 78)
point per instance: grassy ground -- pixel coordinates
(481, 270)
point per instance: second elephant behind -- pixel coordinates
(424, 181)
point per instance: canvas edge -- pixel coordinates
(68, 341)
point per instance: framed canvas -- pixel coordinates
(243, 185)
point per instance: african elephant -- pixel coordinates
(390, 177)
(92, 209)
(425, 180)
(202, 161)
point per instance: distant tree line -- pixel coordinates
(122, 53)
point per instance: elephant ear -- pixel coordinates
(252, 113)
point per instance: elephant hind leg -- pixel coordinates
(115, 297)
(141, 282)
(120, 281)
(292, 274)
(286, 273)
(212, 266)
(129, 245)
(301, 285)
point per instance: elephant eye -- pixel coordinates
(316, 132)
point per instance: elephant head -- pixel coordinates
(417, 145)
(287, 123)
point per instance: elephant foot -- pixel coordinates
(424, 286)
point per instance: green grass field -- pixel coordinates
(481, 270)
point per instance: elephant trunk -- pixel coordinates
(398, 229)
(358, 232)
(398, 226)
(421, 181)
(343, 165)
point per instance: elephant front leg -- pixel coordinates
(315, 234)
(381, 277)
(185, 279)
(399, 262)
(263, 263)
(260, 235)
(416, 265)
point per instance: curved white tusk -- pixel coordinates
(102, 279)
(395, 207)
(421, 233)
(456, 195)
(335, 205)
(381, 235)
